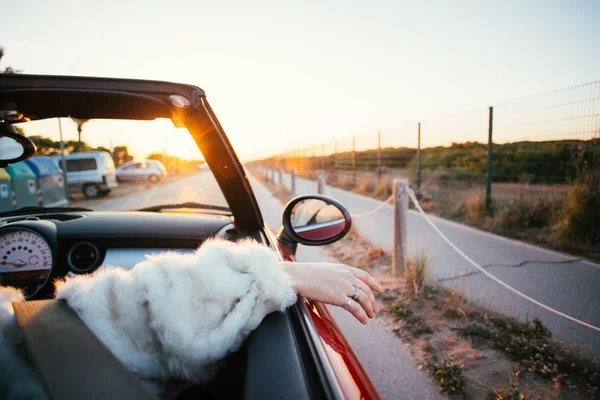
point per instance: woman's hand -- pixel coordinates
(334, 284)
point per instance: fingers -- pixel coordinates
(367, 300)
(357, 311)
(366, 278)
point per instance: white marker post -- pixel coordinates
(293, 177)
(399, 254)
(321, 182)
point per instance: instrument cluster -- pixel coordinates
(25, 260)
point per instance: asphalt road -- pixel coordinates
(380, 352)
(558, 280)
(200, 188)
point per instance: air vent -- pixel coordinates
(83, 257)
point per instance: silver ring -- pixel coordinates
(347, 304)
(356, 295)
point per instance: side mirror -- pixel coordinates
(313, 221)
(13, 147)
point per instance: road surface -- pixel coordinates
(563, 282)
(379, 351)
(199, 188)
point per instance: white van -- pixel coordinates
(91, 173)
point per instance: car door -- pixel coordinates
(129, 172)
(142, 171)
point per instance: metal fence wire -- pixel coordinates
(527, 149)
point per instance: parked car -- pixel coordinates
(91, 173)
(296, 354)
(148, 170)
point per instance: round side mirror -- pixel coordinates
(10, 149)
(13, 147)
(315, 220)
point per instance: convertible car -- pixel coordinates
(297, 354)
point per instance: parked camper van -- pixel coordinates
(91, 173)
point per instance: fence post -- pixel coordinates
(313, 163)
(400, 226)
(379, 156)
(419, 156)
(335, 155)
(280, 176)
(293, 177)
(322, 163)
(272, 174)
(488, 188)
(321, 182)
(354, 160)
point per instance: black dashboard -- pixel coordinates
(37, 248)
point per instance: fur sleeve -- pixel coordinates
(177, 315)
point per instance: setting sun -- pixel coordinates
(141, 137)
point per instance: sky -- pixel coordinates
(283, 74)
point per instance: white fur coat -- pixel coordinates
(171, 316)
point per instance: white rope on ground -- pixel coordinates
(367, 214)
(411, 193)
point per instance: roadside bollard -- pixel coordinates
(321, 182)
(280, 176)
(272, 174)
(293, 177)
(400, 226)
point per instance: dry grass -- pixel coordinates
(557, 217)
(417, 271)
(465, 345)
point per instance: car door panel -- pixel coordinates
(275, 368)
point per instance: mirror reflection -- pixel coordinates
(315, 219)
(10, 149)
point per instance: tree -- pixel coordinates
(121, 155)
(9, 69)
(80, 123)
(45, 146)
(156, 156)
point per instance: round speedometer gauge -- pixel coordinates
(25, 261)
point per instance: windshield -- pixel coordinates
(108, 165)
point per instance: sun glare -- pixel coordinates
(142, 138)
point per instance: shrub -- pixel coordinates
(579, 220)
(507, 394)
(475, 209)
(383, 190)
(448, 376)
(417, 270)
(366, 186)
(471, 331)
(523, 214)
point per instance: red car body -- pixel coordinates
(349, 373)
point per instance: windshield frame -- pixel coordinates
(85, 97)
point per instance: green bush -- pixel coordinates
(580, 220)
(525, 214)
(448, 376)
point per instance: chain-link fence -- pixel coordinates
(515, 165)
(540, 145)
